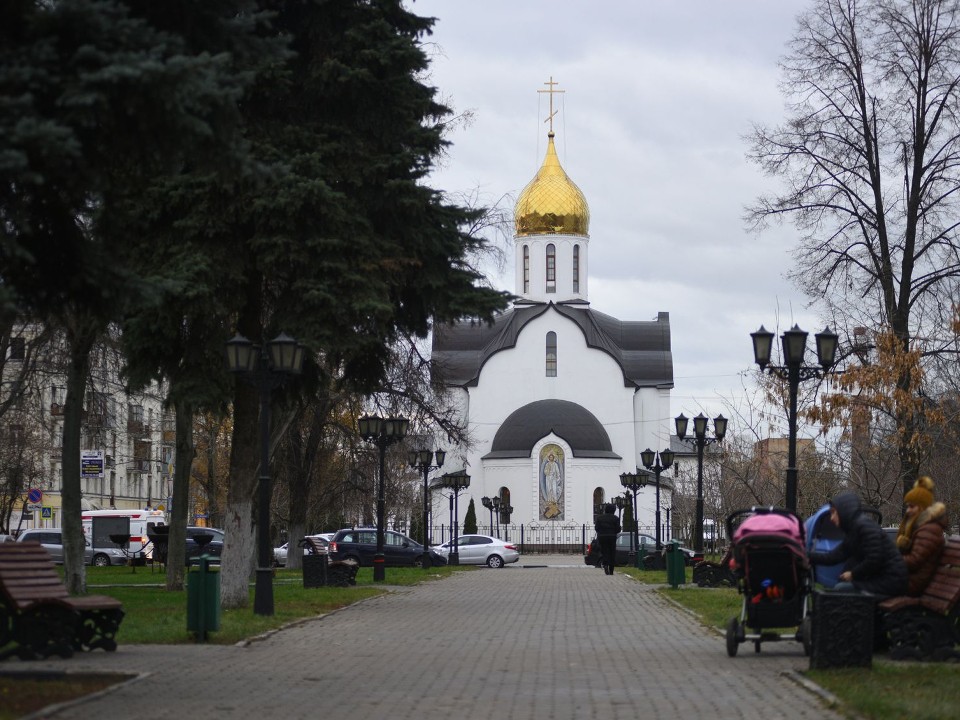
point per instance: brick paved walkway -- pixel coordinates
(546, 639)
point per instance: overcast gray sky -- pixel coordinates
(658, 96)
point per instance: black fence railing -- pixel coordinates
(534, 538)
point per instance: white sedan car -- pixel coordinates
(280, 553)
(482, 550)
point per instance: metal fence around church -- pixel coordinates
(534, 538)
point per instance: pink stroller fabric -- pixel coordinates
(769, 524)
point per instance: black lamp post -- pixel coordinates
(794, 344)
(633, 482)
(382, 432)
(658, 462)
(700, 441)
(457, 482)
(267, 367)
(488, 504)
(619, 501)
(421, 459)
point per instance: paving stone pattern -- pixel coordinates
(547, 638)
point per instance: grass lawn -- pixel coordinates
(889, 691)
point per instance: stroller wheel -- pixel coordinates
(806, 635)
(733, 641)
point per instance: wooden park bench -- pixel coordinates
(39, 618)
(319, 571)
(928, 627)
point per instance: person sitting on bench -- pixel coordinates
(921, 535)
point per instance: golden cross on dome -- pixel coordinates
(550, 83)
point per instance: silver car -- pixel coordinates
(52, 540)
(482, 550)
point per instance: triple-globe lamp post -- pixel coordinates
(633, 482)
(657, 462)
(794, 345)
(456, 482)
(382, 432)
(422, 460)
(700, 441)
(267, 367)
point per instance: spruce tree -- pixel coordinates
(470, 520)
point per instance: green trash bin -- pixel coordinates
(203, 599)
(676, 569)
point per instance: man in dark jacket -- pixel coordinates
(607, 526)
(872, 563)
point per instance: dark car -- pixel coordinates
(360, 545)
(648, 547)
(213, 548)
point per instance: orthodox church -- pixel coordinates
(558, 398)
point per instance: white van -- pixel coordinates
(138, 523)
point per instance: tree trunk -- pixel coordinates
(239, 542)
(180, 513)
(81, 335)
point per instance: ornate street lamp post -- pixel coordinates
(700, 441)
(488, 504)
(382, 432)
(421, 459)
(633, 482)
(457, 482)
(794, 344)
(266, 367)
(496, 510)
(658, 462)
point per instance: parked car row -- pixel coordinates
(647, 545)
(280, 553)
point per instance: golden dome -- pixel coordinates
(551, 203)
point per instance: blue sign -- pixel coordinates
(34, 495)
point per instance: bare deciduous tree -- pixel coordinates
(870, 158)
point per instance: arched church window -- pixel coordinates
(505, 506)
(526, 268)
(551, 268)
(598, 501)
(576, 268)
(551, 354)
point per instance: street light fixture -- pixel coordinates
(633, 482)
(421, 459)
(457, 482)
(382, 432)
(658, 462)
(794, 345)
(700, 441)
(267, 367)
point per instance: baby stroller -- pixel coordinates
(773, 575)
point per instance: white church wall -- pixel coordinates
(588, 377)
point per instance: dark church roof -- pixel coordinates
(640, 348)
(524, 427)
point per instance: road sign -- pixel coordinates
(34, 495)
(91, 463)
(46, 512)
(33, 507)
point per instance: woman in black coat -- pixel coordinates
(872, 563)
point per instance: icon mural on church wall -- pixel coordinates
(551, 482)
